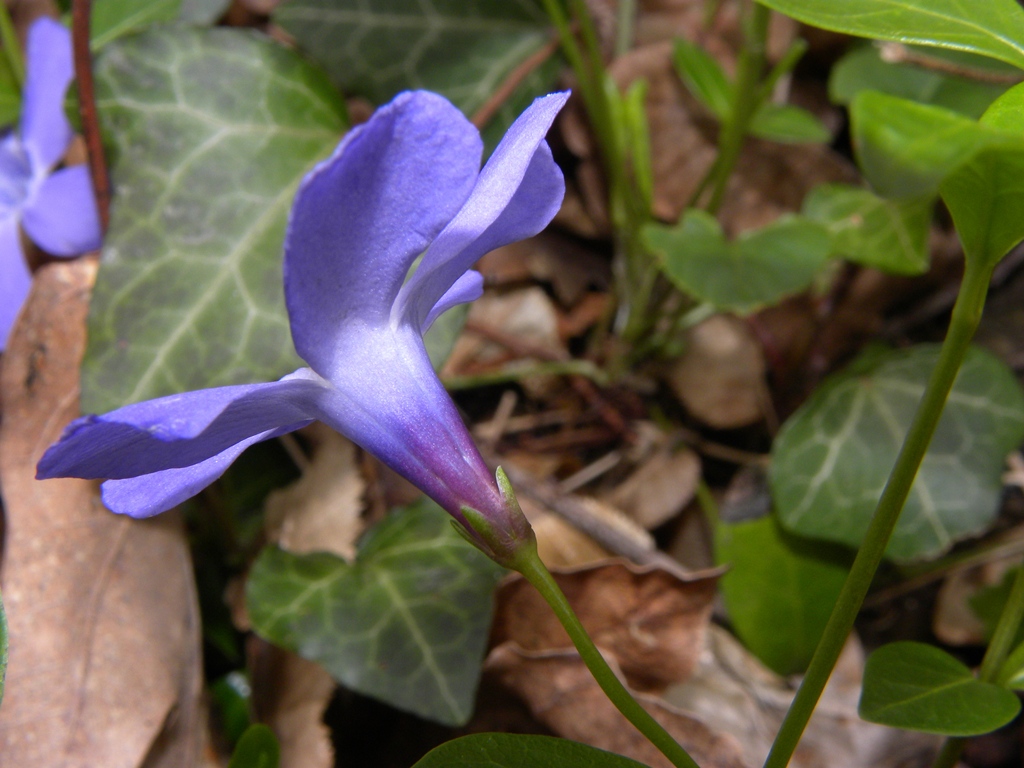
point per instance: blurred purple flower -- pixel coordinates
(56, 208)
(406, 183)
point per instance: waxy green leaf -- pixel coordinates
(211, 132)
(407, 622)
(507, 750)
(863, 69)
(906, 149)
(922, 688)
(992, 28)
(891, 235)
(985, 194)
(779, 589)
(758, 268)
(463, 51)
(832, 457)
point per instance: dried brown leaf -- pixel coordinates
(660, 488)
(652, 621)
(321, 511)
(105, 665)
(733, 693)
(562, 695)
(720, 378)
(290, 695)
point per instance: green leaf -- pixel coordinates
(988, 604)
(704, 77)
(831, 459)
(462, 50)
(922, 688)
(258, 748)
(1012, 673)
(985, 197)
(406, 623)
(758, 268)
(891, 235)
(507, 750)
(211, 132)
(985, 194)
(231, 701)
(113, 18)
(779, 589)
(863, 69)
(906, 149)
(788, 124)
(992, 28)
(202, 12)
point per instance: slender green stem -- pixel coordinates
(573, 367)
(624, 29)
(1006, 631)
(966, 314)
(530, 565)
(949, 755)
(995, 656)
(12, 50)
(745, 104)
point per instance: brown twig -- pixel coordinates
(80, 14)
(897, 53)
(584, 387)
(514, 79)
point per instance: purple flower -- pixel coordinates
(406, 183)
(56, 208)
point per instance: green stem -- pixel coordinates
(12, 50)
(745, 104)
(966, 315)
(624, 28)
(995, 656)
(529, 564)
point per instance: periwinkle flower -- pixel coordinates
(405, 184)
(56, 208)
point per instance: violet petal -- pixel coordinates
(180, 430)
(469, 287)
(363, 216)
(62, 218)
(151, 494)
(15, 278)
(518, 192)
(45, 130)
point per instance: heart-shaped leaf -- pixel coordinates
(758, 268)
(891, 235)
(407, 622)
(113, 18)
(922, 688)
(779, 589)
(463, 51)
(211, 132)
(832, 457)
(507, 750)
